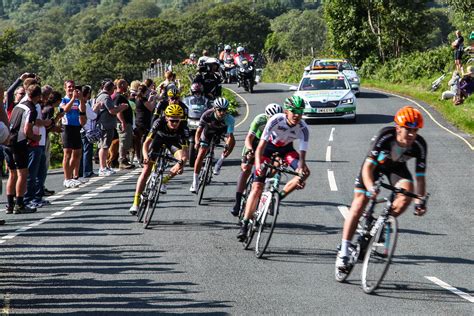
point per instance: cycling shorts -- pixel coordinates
(288, 153)
(173, 147)
(396, 174)
(208, 134)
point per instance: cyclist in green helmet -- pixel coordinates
(277, 137)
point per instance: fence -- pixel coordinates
(157, 71)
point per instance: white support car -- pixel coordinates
(327, 96)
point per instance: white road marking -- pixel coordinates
(23, 229)
(58, 214)
(10, 236)
(344, 210)
(328, 153)
(332, 180)
(247, 107)
(429, 114)
(331, 136)
(77, 203)
(2, 241)
(451, 288)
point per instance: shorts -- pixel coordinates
(156, 145)
(458, 54)
(107, 137)
(71, 137)
(288, 153)
(395, 174)
(207, 135)
(17, 155)
(125, 137)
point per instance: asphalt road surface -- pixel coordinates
(86, 255)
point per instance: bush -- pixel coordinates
(286, 71)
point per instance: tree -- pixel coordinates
(141, 9)
(8, 41)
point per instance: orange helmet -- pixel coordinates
(409, 117)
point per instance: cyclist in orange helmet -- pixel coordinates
(389, 151)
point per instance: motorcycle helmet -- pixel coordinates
(172, 92)
(227, 48)
(221, 103)
(192, 56)
(174, 110)
(240, 49)
(294, 104)
(409, 117)
(196, 87)
(272, 109)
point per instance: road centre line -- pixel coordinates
(332, 180)
(246, 106)
(75, 202)
(429, 114)
(451, 288)
(328, 153)
(331, 136)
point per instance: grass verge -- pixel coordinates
(462, 116)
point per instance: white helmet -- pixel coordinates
(272, 109)
(240, 49)
(227, 47)
(192, 56)
(221, 103)
(212, 60)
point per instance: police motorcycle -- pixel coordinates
(197, 104)
(245, 74)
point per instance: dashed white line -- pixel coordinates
(451, 288)
(344, 210)
(58, 214)
(68, 208)
(328, 153)
(331, 136)
(332, 180)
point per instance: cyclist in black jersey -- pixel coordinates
(390, 149)
(171, 130)
(173, 98)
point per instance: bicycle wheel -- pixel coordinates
(250, 233)
(379, 255)
(154, 196)
(245, 196)
(203, 180)
(145, 197)
(267, 225)
(142, 208)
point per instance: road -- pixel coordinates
(86, 255)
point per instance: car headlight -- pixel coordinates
(355, 79)
(347, 101)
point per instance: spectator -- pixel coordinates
(16, 92)
(466, 86)
(86, 166)
(203, 58)
(108, 123)
(36, 156)
(144, 112)
(74, 106)
(170, 80)
(23, 118)
(4, 132)
(454, 87)
(124, 124)
(458, 46)
(152, 63)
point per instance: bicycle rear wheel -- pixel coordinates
(267, 225)
(379, 255)
(152, 202)
(204, 178)
(250, 233)
(245, 196)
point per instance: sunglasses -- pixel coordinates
(174, 121)
(221, 110)
(298, 112)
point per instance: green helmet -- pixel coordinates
(294, 104)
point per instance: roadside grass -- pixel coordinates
(461, 116)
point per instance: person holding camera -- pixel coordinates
(74, 107)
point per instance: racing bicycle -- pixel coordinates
(265, 218)
(205, 175)
(376, 240)
(151, 194)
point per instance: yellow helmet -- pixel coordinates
(173, 92)
(174, 110)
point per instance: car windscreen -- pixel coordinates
(337, 83)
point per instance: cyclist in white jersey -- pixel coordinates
(278, 136)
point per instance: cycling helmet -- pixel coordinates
(227, 48)
(172, 92)
(212, 60)
(272, 109)
(221, 103)
(240, 49)
(409, 117)
(294, 104)
(196, 87)
(174, 110)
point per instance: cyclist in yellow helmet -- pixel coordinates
(170, 130)
(173, 98)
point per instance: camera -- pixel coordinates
(78, 88)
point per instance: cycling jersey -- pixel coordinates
(256, 128)
(212, 126)
(163, 135)
(71, 117)
(390, 159)
(279, 133)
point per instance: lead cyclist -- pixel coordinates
(278, 136)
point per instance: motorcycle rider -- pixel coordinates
(226, 53)
(191, 60)
(203, 58)
(210, 78)
(240, 56)
(227, 59)
(197, 96)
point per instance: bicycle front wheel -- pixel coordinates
(379, 255)
(250, 234)
(267, 225)
(152, 202)
(245, 196)
(204, 179)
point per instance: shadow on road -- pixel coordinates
(372, 95)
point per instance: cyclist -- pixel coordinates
(171, 130)
(173, 98)
(277, 137)
(248, 152)
(389, 151)
(214, 122)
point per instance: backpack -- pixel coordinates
(95, 133)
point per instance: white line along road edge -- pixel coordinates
(247, 107)
(451, 288)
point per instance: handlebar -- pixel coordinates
(283, 170)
